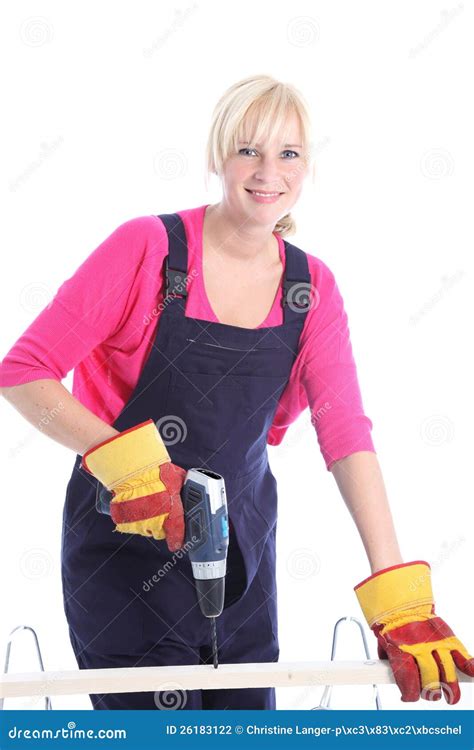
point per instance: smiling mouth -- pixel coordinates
(262, 192)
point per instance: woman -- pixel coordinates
(206, 322)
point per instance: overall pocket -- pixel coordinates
(212, 407)
(224, 412)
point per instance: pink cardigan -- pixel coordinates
(103, 319)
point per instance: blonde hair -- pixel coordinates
(251, 110)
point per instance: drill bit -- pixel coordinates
(214, 642)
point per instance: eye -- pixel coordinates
(287, 151)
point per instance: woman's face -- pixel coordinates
(273, 168)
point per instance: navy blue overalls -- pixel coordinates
(212, 389)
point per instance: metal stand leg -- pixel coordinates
(326, 697)
(48, 705)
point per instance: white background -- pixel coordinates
(106, 109)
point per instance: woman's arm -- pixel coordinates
(361, 484)
(48, 406)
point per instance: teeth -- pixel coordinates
(265, 195)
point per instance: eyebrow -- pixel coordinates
(286, 145)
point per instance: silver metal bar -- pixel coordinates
(19, 628)
(326, 697)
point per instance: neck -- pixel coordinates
(238, 241)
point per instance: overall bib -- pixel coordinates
(212, 389)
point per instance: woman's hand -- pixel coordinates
(423, 651)
(136, 467)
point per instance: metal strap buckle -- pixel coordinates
(299, 293)
(175, 281)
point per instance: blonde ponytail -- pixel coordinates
(285, 226)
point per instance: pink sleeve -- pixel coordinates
(328, 375)
(87, 309)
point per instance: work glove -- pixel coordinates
(145, 485)
(398, 605)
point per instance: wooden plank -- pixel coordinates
(140, 679)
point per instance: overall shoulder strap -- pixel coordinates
(296, 293)
(176, 262)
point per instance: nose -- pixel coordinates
(268, 173)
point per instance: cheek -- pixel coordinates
(238, 172)
(295, 176)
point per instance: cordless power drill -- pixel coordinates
(207, 538)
